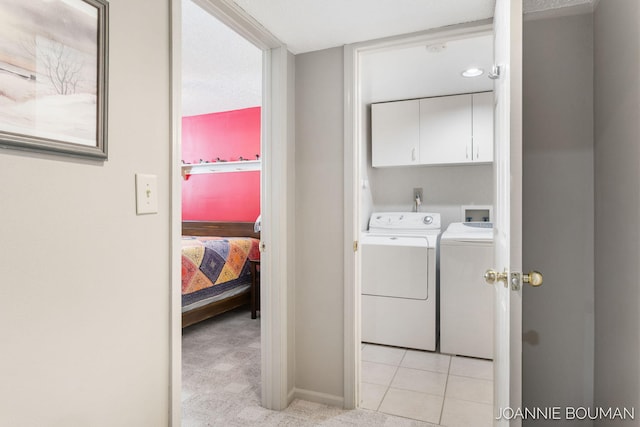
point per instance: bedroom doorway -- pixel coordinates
(230, 139)
(222, 78)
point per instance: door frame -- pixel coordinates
(354, 144)
(275, 180)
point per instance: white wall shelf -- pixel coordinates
(220, 167)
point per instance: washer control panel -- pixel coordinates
(404, 221)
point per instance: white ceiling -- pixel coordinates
(221, 71)
(308, 25)
(531, 6)
(426, 72)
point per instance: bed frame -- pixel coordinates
(219, 229)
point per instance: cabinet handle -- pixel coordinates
(466, 152)
(413, 154)
(477, 152)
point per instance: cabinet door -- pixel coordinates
(445, 130)
(483, 127)
(395, 133)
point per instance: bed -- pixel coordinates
(216, 271)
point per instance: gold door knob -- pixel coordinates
(534, 278)
(492, 276)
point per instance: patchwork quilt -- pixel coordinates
(213, 265)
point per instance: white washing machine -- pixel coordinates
(399, 279)
(466, 301)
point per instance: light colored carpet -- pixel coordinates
(221, 382)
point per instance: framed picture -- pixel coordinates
(53, 76)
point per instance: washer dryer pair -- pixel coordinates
(399, 279)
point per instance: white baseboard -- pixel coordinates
(314, 396)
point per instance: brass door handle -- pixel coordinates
(492, 276)
(534, 278)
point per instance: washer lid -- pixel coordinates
(469, 232)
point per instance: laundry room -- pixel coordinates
(417, 72)
(426, 195)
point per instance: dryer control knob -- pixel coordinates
(427, 219)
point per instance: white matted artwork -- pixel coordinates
(53, 76)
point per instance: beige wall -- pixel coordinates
(319, 224)
(84, 282)
(617, 199)
(558, 224)
(446, 189)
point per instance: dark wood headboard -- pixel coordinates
(218, 229)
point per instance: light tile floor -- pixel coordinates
(436, 388)
(221, 383)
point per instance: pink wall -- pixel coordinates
(221, 196)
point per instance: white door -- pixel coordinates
(508, 207)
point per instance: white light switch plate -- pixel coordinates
(146, 194)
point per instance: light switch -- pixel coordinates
(146, 194)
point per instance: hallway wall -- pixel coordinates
(319, 295)
(84, 281)
(558, 220)
(617, 211)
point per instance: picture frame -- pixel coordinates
(54, 76)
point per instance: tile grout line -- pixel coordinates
(449, 374)
(382, 400)
(424, 370)
(392, 378)
(444, 394)
(463, 376)
(471, 358)
(470, 377)
(471, 401)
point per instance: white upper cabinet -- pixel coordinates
(445, 130)
(483, 127)
(395, 133)
(455, 129)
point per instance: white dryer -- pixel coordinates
(466, 301)
(399, 279)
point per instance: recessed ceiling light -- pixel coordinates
(472, 72)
